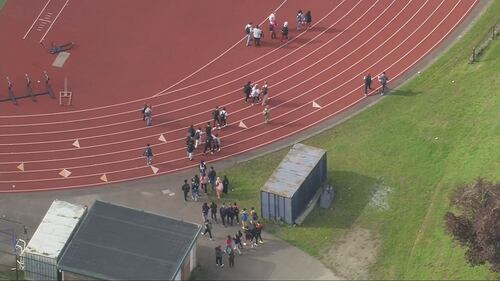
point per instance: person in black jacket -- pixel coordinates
(185, 189)
(247, 89)
(213, 211)
(368, 83)
(225, 185)
(223, 213)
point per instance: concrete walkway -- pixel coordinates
(275, 259)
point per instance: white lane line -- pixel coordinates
(45, 21)
(33, 24)
(54, 21)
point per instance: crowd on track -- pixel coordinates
(254, 94)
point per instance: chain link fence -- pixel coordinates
(10, 232)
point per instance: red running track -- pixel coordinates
(188, 70)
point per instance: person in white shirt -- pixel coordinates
(223, 117)
(255, 94)
(257, 35)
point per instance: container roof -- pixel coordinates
(118, 243)
(293, 170)
(55, 229)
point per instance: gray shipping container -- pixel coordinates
(293, 184)
(43, 250)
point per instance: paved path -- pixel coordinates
(274, 259)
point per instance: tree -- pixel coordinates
(476, 224)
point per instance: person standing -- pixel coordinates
(237, 243)
(185, 189)
(257, 35)
(230, 215)
(216, 143)
(225, 185)
(148, 153)
(249, 31)
(215, 117)
(223, 117)
(218, 187)
(143, 111)
(244, 218)
(308, 19)
(247, 89)
(258, 228)
(191, 132)
(218, 256)
(368, 83)
(255, 94)
(236, 210)
(265, 93)
(204, 182)
(148, 114)
(383, 79)
(212, 176)
(272, 25)
(222, 213)
(208, 229)
(197, 137)
(213, 211)
(266, 114)
(195, 186)
(202, 167)
(284, 31)
(300, 19)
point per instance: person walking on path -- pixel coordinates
(230, 252)
(191, 132)
(247, 89)
(216, 144)
(237, 243)
(267, 113)
(249, 31)
(258, 228)
(208, 229)
(202, 167)
(213, 211)
(257, 35)
(148, 153)
(185, 190)
(212, 176)
(368, 83)
(253, 215)
(230, 215)
(284, 31)
(236, 210)
(190, 150)
(204, 211)
(195, 186)
(383, 79)
(265, 93)
(308, 19)
(218, 256)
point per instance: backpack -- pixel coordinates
(255, 217)
(247, 30)
(229, 250)
(197, 134)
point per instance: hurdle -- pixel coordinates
(30, 93)
(65, 94)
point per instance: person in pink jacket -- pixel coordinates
(218, 187)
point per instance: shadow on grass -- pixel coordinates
(404, 93)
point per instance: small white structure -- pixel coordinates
(42, 253)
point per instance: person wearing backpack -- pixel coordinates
(248, 31)
(208, 229)
(230, 254)
(197, 137)
(244, 218)
(148, 153)
(218, 256)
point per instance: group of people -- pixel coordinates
(304, 20)
(204, 179)
(383, 79)
(251, 235)
(256, 95)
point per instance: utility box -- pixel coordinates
(293, 184)
(41, 255)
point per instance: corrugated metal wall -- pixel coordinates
(279, 208)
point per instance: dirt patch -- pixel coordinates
(380, 196)
(354, 254)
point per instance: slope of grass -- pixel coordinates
(2, 2)
(422, 140)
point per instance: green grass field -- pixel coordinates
(422, 140)
(2, 2)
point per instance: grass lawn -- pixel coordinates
(2, 2)
(421, 141)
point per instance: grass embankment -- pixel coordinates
(422, 140)
(2, 2)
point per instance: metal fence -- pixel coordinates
(10, 232)
(485, 40)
